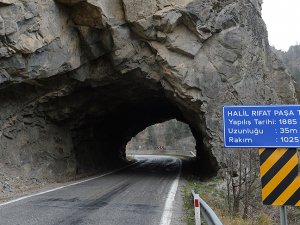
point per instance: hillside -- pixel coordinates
(291, 59)
(171, 135)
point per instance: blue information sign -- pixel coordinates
(261, 126)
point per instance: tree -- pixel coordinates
(242, 177)
(151, 139)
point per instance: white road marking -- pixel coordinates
(59, 188)
(193, 154)
(168, 210)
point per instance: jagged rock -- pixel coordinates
(28, 44)
(184, 41)
(123, 47)
(163, 3)
(71, 2)
(88, 14)
(169, 20)
(91, 42)
(79, 79)
(139, 9)
(11, 27)
(7, 2)
(93, 13)
(2, 27)
(113, 12)
(160, 36)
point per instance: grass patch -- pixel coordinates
(214, 194)
(205, 190)
(130, 158)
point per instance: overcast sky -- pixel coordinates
(282, 18)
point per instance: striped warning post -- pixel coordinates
(279, 176)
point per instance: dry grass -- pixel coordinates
(214, 195)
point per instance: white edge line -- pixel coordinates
(59, 188)
(193, 154)
(167, 214)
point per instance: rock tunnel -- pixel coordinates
(85, 127)
(79, 79)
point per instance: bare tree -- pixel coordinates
(242, 174)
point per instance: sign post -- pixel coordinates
(276, 131)
(197, 209)
(283, 216)
(279, 176)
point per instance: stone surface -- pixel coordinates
(88, 14)
(139, 9)
(71, 2)
(79, 79)
(184, 41)
(291, 59)
(2, 27)
(7, 2)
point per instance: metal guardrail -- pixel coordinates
(208, 214)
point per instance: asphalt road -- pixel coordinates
(135, 196)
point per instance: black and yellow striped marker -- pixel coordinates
(279, 176)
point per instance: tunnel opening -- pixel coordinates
(170, 137)
(70, 126)
(101, 136)
(117, 112)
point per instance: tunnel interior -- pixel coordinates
(115, 113)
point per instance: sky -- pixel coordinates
(282, 18)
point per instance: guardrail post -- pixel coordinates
(208, 214)
(283, 216)
(197, 209)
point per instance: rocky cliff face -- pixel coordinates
(80, 78)
(291, 59)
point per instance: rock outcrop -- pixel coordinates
(80, 78)
(291, 60)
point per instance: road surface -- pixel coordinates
(139, 195)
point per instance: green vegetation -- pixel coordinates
(130, 158)
(205, 190)
(213, 192)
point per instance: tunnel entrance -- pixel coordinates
(76, 89)
(111, 115)
(73, 126)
